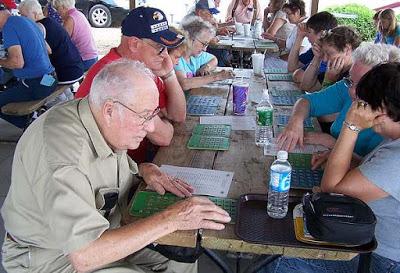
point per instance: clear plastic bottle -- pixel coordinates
(264, 120)
(279, 185)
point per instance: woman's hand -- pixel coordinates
(334, 69)
(319, 160)
(317, 50)
(361, 115)
(224, 74)
(291, 136)
(204, 70)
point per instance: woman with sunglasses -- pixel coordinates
(378, 109)
(337, 98)
(334, 47)
(195, 67)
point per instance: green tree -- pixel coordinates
(363, 22)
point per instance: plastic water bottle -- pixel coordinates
(279, 185)
(264, 120)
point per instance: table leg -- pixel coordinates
(219, 261)
(241, 58)
(260, 262)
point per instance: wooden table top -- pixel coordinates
(251, 174)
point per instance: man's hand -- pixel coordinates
(162, 182)
(195, 213)
(166, 67)
(224, 31)
(317, 138)
(291, 136)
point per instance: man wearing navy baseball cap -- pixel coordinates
(145, 38)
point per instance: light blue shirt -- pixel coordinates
(381, 167)
(389, 39)
(195, 62)
(336, 99)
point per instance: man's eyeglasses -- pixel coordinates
(145, 119)
(205, 45)
(348, 82)
(160, 48)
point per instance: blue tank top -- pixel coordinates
(65, 56)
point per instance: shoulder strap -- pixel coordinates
(234, 8)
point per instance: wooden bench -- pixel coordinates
(25, 108)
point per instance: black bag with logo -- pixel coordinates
(338, 218)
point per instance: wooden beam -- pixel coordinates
(314, 6)
(132, 4)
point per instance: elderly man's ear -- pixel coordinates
(108, 112)
(133, 44)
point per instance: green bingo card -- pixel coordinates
(200, 142)
(146, 203)
(221, 130)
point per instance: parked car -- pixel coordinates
(101, 13)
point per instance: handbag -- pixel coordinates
(338, 218)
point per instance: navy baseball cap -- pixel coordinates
(150, 23)
(207, 4)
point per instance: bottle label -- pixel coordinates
(280, 182)
(264, 116)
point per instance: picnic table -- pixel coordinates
(251, 175)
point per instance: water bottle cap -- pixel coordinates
(282, 155)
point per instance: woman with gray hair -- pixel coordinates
(194, 68)
(337, 98)
(64, 55)
(78, 29)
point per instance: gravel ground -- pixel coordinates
(106, 38)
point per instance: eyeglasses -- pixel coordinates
(160, 48)
(348, 82)
(145, 119)
(205, 45)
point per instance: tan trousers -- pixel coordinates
(22, 259)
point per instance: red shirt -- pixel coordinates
(113, 55)
(139, 154)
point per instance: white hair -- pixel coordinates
(63, 3)
(117, 81)
(372, 54)
(194, 25)
(31, 6)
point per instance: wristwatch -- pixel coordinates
(352, 126)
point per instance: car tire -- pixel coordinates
(100, 16)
